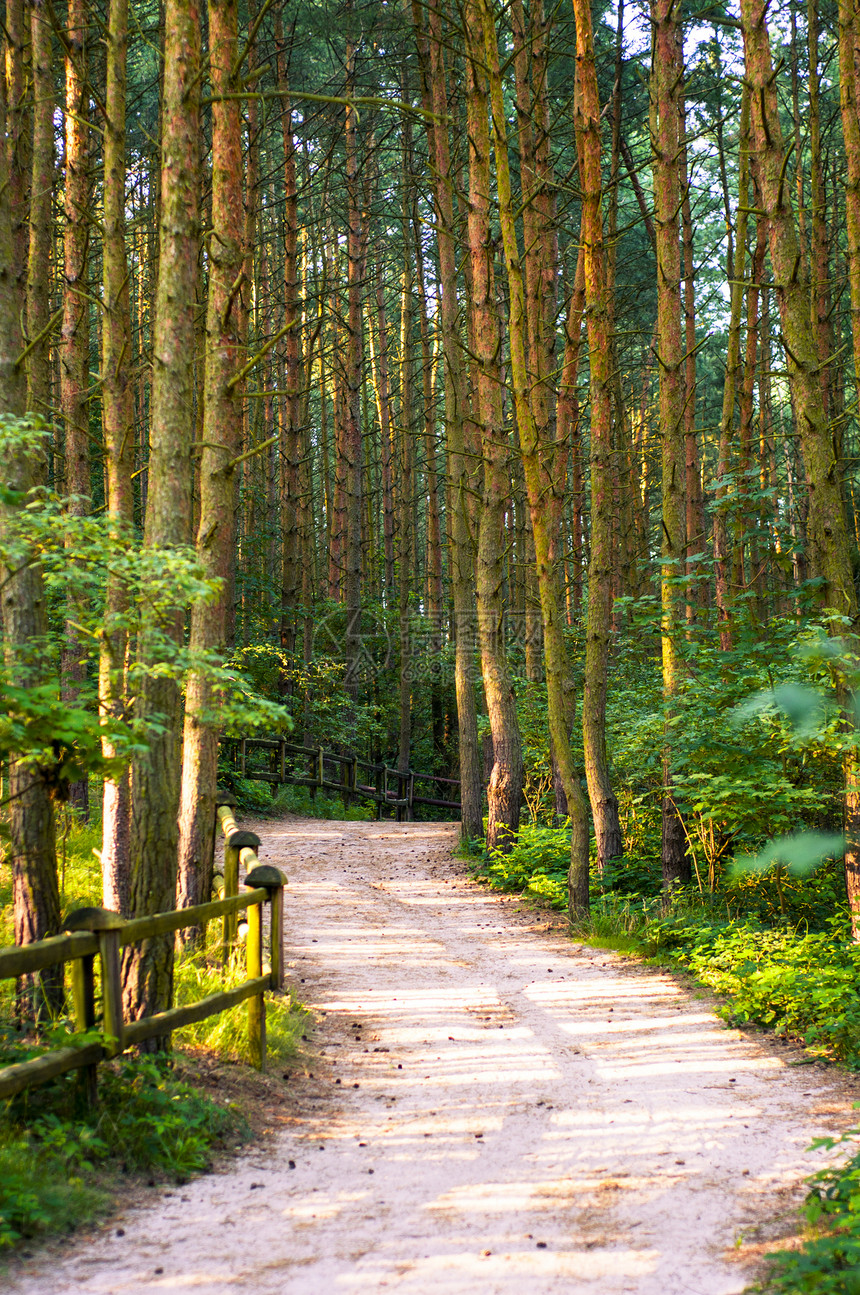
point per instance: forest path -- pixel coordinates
(494, 1110)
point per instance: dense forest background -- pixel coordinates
(468, 388)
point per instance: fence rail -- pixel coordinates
(357, 780)
(92, 932)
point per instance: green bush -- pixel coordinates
(55, 1151)
(829, 1261)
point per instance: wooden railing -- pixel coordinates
(277, 761)
(97, 932)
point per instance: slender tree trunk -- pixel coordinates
(722, 557)
(32, 843)
(291, 431)
(75, 338)
(828, 540)
(554, 645)
(382, 390)
(148, 967)
(462, 551)
(222, 442)
(506, 778)
(352, 426)
(666, 77)
(41, 201)
(118, 419)
(604, 803)
(405, 536)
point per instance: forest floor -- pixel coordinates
(485, 1107)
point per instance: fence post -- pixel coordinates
(106, 926)
(242, 752)
(236, 840)
(83, 991)
(257, 1004)
(274, 881)
(282, 767)
(410, 794)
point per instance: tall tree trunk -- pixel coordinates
(459, 476)
(41, 203)
(75, 339)
(530, 448)
(352, 421)
(604, 803)
(293, 555)
(118, 419)
(722, 556)
(405, 537)
(666, 78)
(222, 443)
(32, 843)
(148, 967)
(506, 778)
(828, 539)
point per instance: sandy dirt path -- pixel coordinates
(493, 1110)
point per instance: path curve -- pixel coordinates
(498, 1111)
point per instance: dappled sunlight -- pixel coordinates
(490, 1108)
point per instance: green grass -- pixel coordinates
(62, 1160)
(61, 1164)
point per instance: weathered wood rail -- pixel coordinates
(97, 932)
(277, 761)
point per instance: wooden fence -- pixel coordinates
(92, 932)
(277, 761)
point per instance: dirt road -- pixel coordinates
(496, 1110)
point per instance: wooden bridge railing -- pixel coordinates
(356, 780)
(92, 932)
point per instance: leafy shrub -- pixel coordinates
(829, 1261)
(537, 864)
(52, 1153)
(39, 1194)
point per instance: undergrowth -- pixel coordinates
(776, 948)
(829, 1261)
(61, 1159)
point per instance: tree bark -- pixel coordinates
(828, 539)
(41, 202)
(506, 778)
(222, 442)
(148, 968)
(666, 77)
(462, 549)
(75, 336)
(604, 803)
(118, 420)
(32, 843)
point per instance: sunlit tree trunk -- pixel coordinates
(30, 810)
(459, 475)
(352, 412)
(604, 803)
(148, 967)
(222, 442)
(828, 540)
(666, 77)
(118, 420)
(554, 645)
(506, 777)
(75, 337)
(722, 554)
(291, 430)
